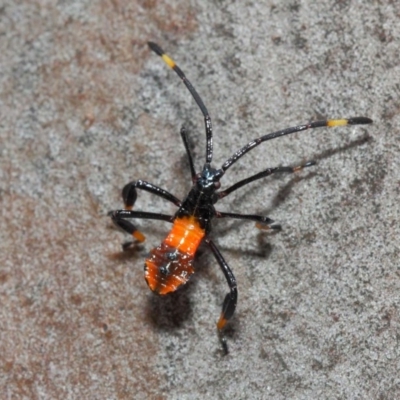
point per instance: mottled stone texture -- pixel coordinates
(85, 108)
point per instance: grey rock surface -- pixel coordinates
(85, 108)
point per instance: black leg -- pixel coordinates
(119, 218)
(229, 305)
(262, 222)
(188, 152)
(129, 193)
(262, 174)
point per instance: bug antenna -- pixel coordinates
(316, 124)
(207, 119)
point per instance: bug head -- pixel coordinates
(208, 179)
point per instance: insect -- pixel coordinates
(170, 265)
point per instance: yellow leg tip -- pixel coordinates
(263, 227)
(221, 323)
(139, 236)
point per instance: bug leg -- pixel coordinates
(129, 194)
(188, 152)
(119, 218)
(262, 174)
(230, 301)
(262, 222)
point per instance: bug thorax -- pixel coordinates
(208, 179)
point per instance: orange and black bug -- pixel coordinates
(170, 265)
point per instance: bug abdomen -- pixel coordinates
(170, 265)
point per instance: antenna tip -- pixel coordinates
(156, 48)
(359, 121)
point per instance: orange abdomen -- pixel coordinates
(170, 265)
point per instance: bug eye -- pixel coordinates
(217, 185)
